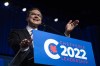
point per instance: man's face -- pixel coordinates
(35, 17)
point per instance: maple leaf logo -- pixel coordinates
(53, 48)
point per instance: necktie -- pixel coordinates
(32, 38)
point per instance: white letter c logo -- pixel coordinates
(46, 48)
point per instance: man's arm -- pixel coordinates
(18, 44)
(14, 40)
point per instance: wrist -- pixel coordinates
(67, 33)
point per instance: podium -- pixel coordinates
(57, 50)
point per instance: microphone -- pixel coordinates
(45, 25)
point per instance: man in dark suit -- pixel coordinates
(21, 40)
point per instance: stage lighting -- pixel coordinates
(56, 19)
(6, 3)
(24, 9)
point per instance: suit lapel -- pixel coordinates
(26, 33)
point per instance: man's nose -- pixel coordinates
(36, 16)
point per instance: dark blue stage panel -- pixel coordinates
(5, 60)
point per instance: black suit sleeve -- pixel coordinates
(14, 40)
(15, 37)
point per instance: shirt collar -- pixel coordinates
(29, 29)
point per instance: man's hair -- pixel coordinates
(28, 11)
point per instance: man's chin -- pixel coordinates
(36, 22)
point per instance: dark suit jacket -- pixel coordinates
(21, 58)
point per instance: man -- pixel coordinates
(21, 40)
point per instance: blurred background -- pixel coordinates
(56, 13)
